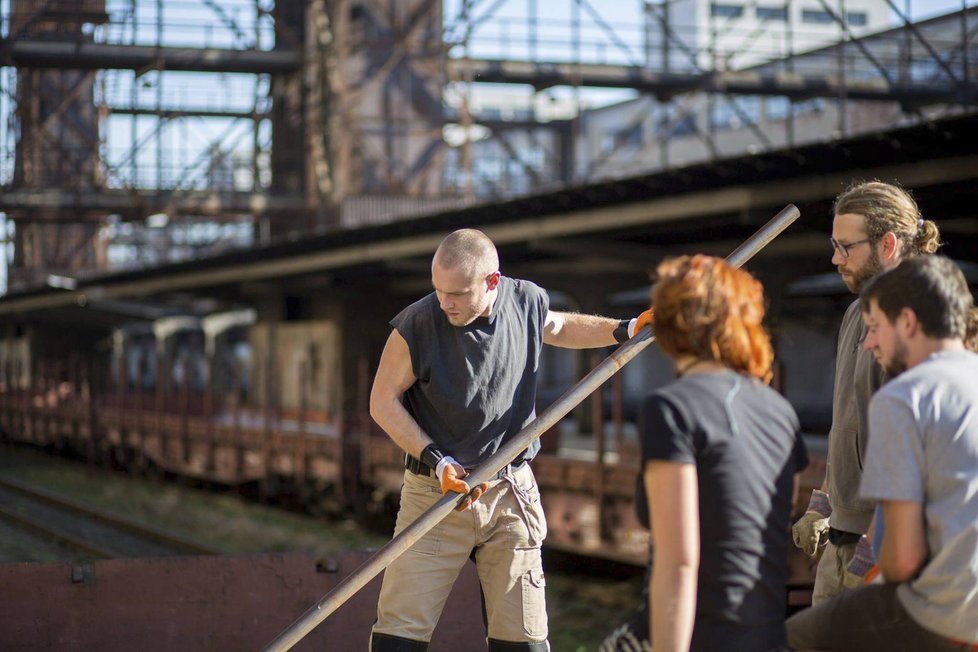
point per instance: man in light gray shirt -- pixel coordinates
(922, 466)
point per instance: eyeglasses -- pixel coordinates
(843, 248)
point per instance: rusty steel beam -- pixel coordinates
(27, 53)
(542, 75)
(175, 114)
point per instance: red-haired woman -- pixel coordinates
(720, 450)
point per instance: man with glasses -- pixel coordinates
(876, 225)
(457, 379)
(922, 466)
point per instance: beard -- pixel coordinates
(465, 315)
(897, 363)
(461, 320)
(856, 279)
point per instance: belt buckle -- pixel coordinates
(504, 472)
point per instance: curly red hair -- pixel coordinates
(709, 310)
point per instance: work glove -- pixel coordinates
(450, 474)
(811, 532)
(639, 322)
(855, 573)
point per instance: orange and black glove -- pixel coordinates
(640, 322)
(451, 480)
(628, 327)
(450, 474)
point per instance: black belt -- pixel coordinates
(842, 538)
(418, 467)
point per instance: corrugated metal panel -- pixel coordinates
(357, 212)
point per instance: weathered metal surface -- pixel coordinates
(203, 603)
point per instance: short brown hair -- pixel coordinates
(468, 249)
(887, 207)
(707, 309)
(934, 287)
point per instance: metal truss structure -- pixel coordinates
(142, 131)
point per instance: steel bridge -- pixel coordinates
(262, 121)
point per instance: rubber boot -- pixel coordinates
(518, 646)
(388, 643)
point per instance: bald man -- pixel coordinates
(457, 380)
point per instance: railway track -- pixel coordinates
(90, 531)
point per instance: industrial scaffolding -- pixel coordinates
(138, 132)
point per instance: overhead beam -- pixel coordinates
(520, 229)
(26, 53)
(625, 252)
(174, 114)
(198, 202)
(796, 86)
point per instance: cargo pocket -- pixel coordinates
(534, 603)
(528, 498)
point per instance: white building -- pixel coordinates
(733, 34)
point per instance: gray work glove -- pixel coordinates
(811, 532)
(855, 573)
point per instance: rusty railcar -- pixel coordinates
(228, 401)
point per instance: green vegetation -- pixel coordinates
(226, 522)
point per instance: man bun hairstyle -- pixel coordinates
(933, 287)
(888, 207)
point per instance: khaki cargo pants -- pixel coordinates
(506, 527)
(831, 570)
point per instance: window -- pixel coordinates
(718, 10)
(777, 108)
(857, 18)
(772, 13)
(816, 105)
(683, 127)
(816, 16)
(630, 136)
(725, 113)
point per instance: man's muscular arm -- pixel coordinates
(572, 330)
(394, 376)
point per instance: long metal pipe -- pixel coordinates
(504, 455)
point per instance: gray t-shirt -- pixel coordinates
(923, 447)
(476, 385)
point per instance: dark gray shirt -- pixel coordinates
(857, 377)
(743, 438)
(476, 385)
